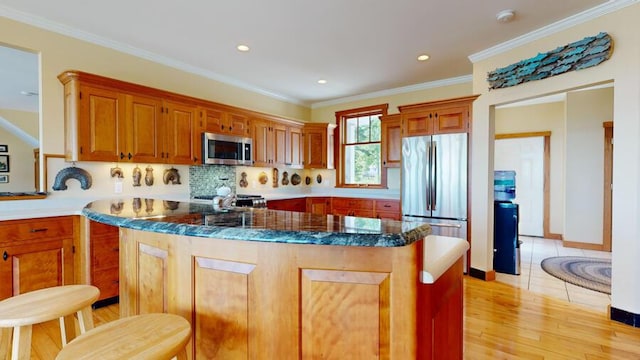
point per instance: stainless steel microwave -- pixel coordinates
(226, 149)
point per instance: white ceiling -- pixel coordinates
(358, 46)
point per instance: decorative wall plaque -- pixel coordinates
(588, 52)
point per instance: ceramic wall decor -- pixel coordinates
(137, 176)
(148, 205)
(295, 179)
(171, 176)
(73, 172)
(243, 180)
(285, 178)
(148, 176)
(307, 180)
(263, 178)
(117, 172)
(275, 176)
(319, 178)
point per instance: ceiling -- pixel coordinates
(357, 46)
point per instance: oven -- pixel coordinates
(226, 149)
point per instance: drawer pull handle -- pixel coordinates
(39, 230)
(5, 256)
(387, 205)
(115, 249)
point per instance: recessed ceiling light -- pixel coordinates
(505, 16)
(243, 48)
(423, 57)
(28, 93)
(322, 81)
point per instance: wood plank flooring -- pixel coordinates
(501, 322)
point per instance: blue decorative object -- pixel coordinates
(582, 54)
(72, 173)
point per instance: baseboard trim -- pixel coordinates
(482, 275)
(625, 317)
(581, 245)
(553, 236)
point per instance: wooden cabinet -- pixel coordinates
(388, 209)
(437, 117)
(276, 143)
(109, 120)
(104, 249)
(391, 140)
(36, 253)
(319, 205)
(318, 145)
(223, 121)
(353, 207)
(295, 204)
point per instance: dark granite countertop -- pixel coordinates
(202, 220)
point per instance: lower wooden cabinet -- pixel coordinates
(295, 204)
(105, 251)
(36, 253)
(344, 206)
(319, 205)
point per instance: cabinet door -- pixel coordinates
(315, 148)
(181, 134)
(236, 124)
(419, 123)
(451, 120)
(213, 120)
(141, 131)
(319, 205)
(35, 266)
(262, 140)
(295, 150)
(279, 146)
(101, 115)
(391, 140)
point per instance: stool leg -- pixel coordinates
(21, 347)
(5, 343)
(67, 329)
(85, 319)
(182, 355)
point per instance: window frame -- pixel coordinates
(340, 134)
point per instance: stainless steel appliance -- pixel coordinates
(226, 150)
(242, 200)
(434, 182)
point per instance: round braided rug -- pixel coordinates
(586, 272)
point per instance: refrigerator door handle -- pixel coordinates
(446, 225)
(429, 171)
(434, 180)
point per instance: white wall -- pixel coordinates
(586, 111)
(624, 69)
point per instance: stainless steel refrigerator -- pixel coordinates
(434, 182)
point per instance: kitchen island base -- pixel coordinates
(271, 300)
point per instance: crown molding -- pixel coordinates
(48, 25)
(395, 91)
(587, 15)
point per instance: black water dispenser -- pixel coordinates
(506, 246)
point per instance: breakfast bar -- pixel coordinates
(271, 284)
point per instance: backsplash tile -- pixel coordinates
(204, 180)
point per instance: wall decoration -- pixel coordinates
(137, 175)
(148, 176)
(4, 148)
(73, 172)
(4, 179)
(116, 171)
(275, 176)
(4, 163)
(307, 180)
(243, 180)
(295, 179)
(285, 178)
(171, 175)
(586, 53)
(262, 178)
(319, 179)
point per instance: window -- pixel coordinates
(360, 150)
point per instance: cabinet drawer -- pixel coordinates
(19, 230)
(107, 282)
(388, 205)
(353, 203)
(104, 252)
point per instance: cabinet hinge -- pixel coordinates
(80, 149)
(80, 94)
(73, 249)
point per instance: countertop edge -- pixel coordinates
(440, 252)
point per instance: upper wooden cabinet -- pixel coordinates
(437, 117)
(110, 120)
(224, 121)
(391, 141)
(276, 143)
(318, 145)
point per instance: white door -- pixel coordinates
(525, 156)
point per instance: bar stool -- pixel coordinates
(20, 312)
(154, 336)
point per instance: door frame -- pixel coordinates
(608, 183)
(546, 164)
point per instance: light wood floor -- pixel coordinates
(501, 322)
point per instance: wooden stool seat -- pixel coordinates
(148, 336)
(20, 312)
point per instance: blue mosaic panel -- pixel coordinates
(582, 54)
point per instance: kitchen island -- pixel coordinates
(269, 284)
